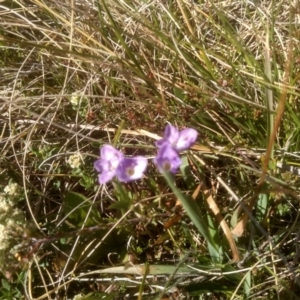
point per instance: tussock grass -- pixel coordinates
(76, 75)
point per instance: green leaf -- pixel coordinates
(247, 284)
(64, 240)
(283, 209)
(195, 215)
(178, 93)
(234, 276)
(86, 181)
(5, 284)
(213, 231)
(124, 197)
(78, 210)
(261, 206)
(186, 173)
(119, 205)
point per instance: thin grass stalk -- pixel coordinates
(269, 99)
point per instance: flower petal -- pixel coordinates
(171, 134)
(167, 159)
(110, 153)
(131, 168)
(179, 141)
(187, 138)
(108, 163)
(104, 167)
(106, 176)
(98, 165)
(160, 142)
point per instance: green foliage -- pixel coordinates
(261, 207)
(9, 291)
(79, 210)
(124, 198)
(205, 228)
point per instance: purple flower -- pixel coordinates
(178, 140)
(113, 163)
(131, 168)
(108, 163)
(167, 159)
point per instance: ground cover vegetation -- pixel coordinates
(129, 77)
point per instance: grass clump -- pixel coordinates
(78, 75)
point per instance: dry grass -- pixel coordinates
(78, 74)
